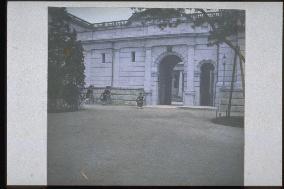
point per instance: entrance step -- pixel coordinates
(182, 107)
(198, 107)
(175, 103)
(161, 106)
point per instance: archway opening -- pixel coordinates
(207, 84)
(170, 80)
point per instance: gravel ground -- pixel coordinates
(123, 145)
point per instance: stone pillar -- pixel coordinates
(115, 59)
(147, 76)
(155, 85)
(189, 93)
(238, 79)
(180, 84)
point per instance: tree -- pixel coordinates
(228, 23)
(65, 61)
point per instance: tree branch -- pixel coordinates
(214, 30)
(237, 50)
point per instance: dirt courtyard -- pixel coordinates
(123, 145)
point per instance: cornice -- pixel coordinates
(167, 36)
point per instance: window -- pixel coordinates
(103, 57)
(133, 56)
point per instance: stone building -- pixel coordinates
(173, 65)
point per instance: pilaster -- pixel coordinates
(147, 76)
(115, 59)
(190, 92)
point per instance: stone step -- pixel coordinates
(223, 114)
(224, 108)
(237, 101)
(238, 94)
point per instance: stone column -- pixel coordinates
(154, 86)
(180, 84)
(115, 59)
(147, 75)
(189, 93)
(238, 81)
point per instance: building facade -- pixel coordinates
(173, 65)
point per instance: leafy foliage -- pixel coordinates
(163, 17)
(65, 62)
(227, 23)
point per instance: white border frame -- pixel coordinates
(27, 74)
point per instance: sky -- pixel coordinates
(100, 14)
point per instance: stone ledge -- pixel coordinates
(198, 107)
(235, 101)
(223, 108)
(119, 96)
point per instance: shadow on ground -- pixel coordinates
(235, 121)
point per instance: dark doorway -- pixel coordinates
(206, 84)
(165, 78)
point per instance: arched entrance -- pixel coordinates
(206, 84)
(170, 80)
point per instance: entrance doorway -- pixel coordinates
(170, 80)
(207, 84)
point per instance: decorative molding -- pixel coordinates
(204, 61)
(164, 54)
(144, 37)
(192, 93)
(148, 92)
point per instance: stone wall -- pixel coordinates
(119, 96)
(98, 73)
(131, 74)
(237, 103)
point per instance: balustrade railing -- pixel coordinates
(124, 22)
(110, 24)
